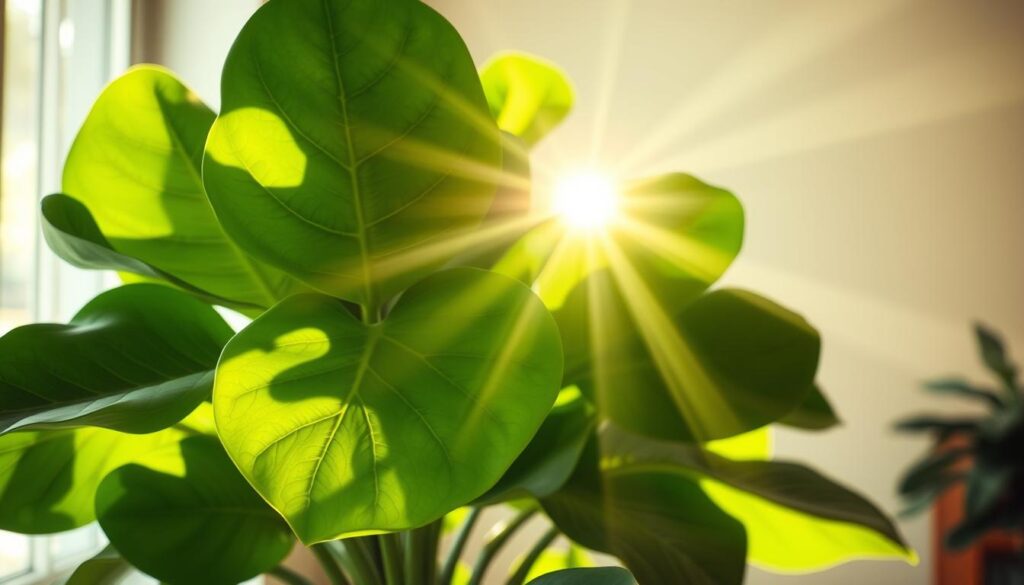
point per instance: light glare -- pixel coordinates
(586, 199)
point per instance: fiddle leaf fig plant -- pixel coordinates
(424, 338)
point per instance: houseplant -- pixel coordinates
(980, 451)
(424, 336)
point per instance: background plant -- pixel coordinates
(426, 338)
(980, 451)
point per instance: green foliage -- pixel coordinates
(212, 526)
(982, 452)
(365, 197)
(372, 428)
(136, 359)
(108, 567)
(358, 132)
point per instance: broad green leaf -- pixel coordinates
(528, 96)
(136, 359)
(551, 560)
(108, 567)
(187, 516)
(796, 519)
(48, 479)
(352, 135)
(813, 414)
(548, 461)
(135, 166)
(661, 525)
(728, 363)
(350, 429)
(590, 576)
(72, 234)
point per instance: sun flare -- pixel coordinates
(586, 200)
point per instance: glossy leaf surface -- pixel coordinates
(350, 429)
(815, 413)
(351, 133)
(728, 363)
(137, 359)
(661, 525)
(549, 459)
(187, 516)
(795, 518)
(135, 165)
(528, 96)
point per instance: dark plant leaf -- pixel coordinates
(551, 456)
(188, 517)
(660, 524)
(137, 359)
(959, 387)
(993, 354)
(931, 470)
(729, 363)
(814, 413)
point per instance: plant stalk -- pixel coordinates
(523, 571)
(458, 544)
(286, 575)
(330, 565)
(391, 551)
(421, 554)
(496, 543)
(358, 560)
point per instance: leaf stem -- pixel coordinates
(523, 571)
(326, 559)
(421, 554)
(391, 551)
(459, 543)
(358, 560)
(286, 575)
(495, 544)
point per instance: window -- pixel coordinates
(57, 56)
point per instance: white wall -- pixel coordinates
(877, 148)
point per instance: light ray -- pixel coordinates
(791, 44)
(696, 257)
(615, 33)
(689, 384)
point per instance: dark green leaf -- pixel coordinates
(551, 456)
(958, 387)
(730, 362)
(590, 576)
(814, 413)
(108, 567)
(528, 96)
(930, 470)
(993, 353)
(135, 166)
(188, 517)
(136, 359)
(660, 524)
(778, 502)
(352, 134)
(347, 428)
(943, 426)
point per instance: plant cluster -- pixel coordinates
(981, 452)
(425, 341)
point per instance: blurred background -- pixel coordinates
(877, 147)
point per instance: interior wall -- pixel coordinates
(876, 146)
